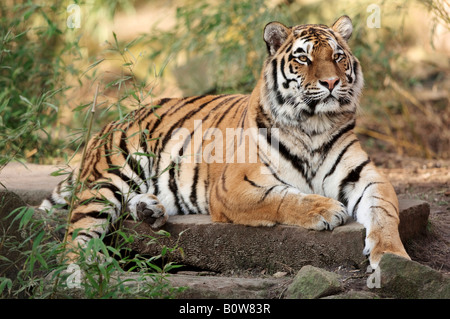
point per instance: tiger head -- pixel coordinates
(310, 71)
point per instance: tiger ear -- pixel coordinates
(344, 27)
(275, 34)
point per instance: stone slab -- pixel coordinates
(31, 182)
(224, 247)
(413, 218)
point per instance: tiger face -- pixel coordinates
(310, 71)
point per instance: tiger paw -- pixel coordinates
(147, 208)
(324, 213)
(378, 244)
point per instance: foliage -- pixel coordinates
(103, 271)
(31, 73)
(223, 39)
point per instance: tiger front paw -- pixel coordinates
(147, 208)
(327, 213)
(313, 212)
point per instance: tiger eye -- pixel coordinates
(303, 58)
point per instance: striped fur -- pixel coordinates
(309, 169)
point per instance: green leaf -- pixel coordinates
(38, 240)
(5, 282)
(93, 65)
(26, 217)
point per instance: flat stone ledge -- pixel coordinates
(230, 247)
(224, 247)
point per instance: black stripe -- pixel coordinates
(269, 190)
(114, 169)
(168, 134)
(179, 200)
(325, 148)
(147, 110)
(240, 98)
(385, 200)
(223, 178)
(252, 182)
(183, 103)
(174, 189)
(338, 160)
(193, 196)
(114, 189)
(131, 161)
(278, 95)
(83, 233)
(383, 209)
(285, 83)
(311, 103)
(355, 66)
(218, 106)
(296, 161)
(180, 104)
(355, 208)
(288, 48)
(93, 214)
(352, 177)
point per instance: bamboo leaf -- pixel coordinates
(93, 65)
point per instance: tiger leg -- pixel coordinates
(101, 207)
(376, 207)
(260, 200)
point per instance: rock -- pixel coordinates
(223, 247)
(403, 278)
(175, 286)
(413, 218)
(31, 182)
(227, 287)
(312, 282)
(354, 294)
(228, 247)
(280, 274)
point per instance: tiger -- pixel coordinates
(303, 165)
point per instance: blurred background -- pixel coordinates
(54, 53)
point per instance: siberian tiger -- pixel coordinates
(302, 163)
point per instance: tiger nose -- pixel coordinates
(329, 83)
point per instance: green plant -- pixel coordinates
(223, 40)
(104, 270)
(32, 66)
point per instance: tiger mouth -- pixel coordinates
(312, 103)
